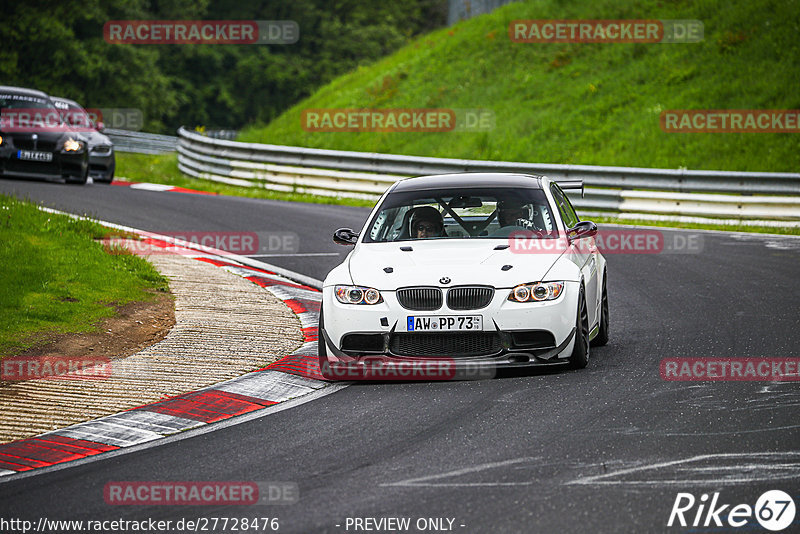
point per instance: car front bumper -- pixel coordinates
(513, 335)
(62, 166)
(101, 165)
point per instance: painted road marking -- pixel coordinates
(705, 469)
(428, 480)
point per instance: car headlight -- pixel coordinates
(357, 295)
(71, 145)
(102, 149)
(536, 292)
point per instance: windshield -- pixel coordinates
(28, 113)
(12, 101)
(469, 213)
(75, 116)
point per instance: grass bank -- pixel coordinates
(580, 103)
(58, 279)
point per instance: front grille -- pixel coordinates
(28, 144)
(420, 298)
(469, 298)
(455, 344)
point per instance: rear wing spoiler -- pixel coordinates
(572, 184)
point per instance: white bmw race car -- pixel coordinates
(487, 270)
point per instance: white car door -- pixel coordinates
(584, 253)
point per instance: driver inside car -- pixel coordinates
(512, 213)
(427, 222)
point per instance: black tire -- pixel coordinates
(602, 334)
(82, 179)
(111, 170)
(580, 351)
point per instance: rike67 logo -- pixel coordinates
(774, 510)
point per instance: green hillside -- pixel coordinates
(579, 103)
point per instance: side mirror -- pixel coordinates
(581, 230)
(345, 236)
(101, 126)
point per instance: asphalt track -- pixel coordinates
(605, 449)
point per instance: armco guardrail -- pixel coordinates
(141, 142)
(628, 190)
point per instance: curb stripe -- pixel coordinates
(92, 447)
(264, 282)
(292, 376)
(220, 263)
(208, 406)
(275, 386)
(146, 186)
(9, 468)
(40, 452)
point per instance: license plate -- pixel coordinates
(434, 323)
(34, 155)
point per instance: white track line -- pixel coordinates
(293, 255)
